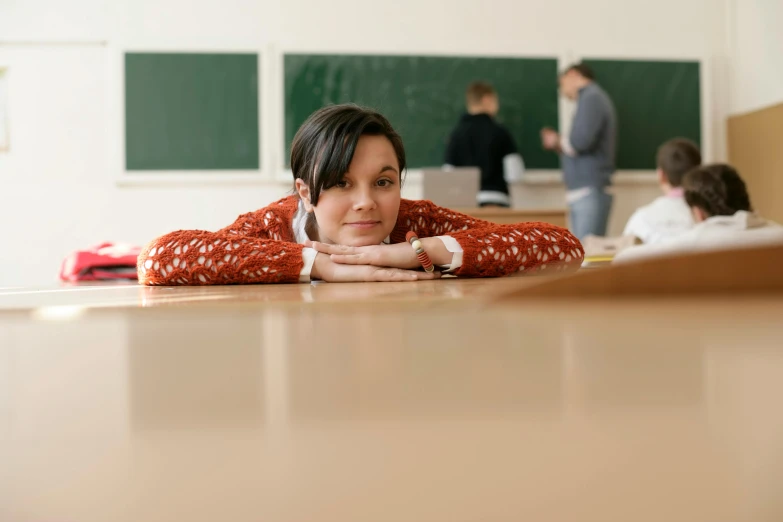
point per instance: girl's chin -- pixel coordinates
(362, 241)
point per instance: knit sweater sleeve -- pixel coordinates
(257, 248)
(490, 249)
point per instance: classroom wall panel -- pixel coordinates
(756, 150)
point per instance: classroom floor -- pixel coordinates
(386, 402)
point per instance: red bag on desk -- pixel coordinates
(104, 262)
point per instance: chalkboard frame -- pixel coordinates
(115, 110)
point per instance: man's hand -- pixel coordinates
(550, 139)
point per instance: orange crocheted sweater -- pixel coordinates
(259, 247)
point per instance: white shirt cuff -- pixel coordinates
(308, 256)
(565, 145)
(453, 246)
(513, 168)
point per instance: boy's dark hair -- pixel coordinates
(324, 145)
(476, 92)
(676, 158)
(716, 189)
(583, 69)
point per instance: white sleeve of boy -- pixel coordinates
(637, 226)
(513, 167)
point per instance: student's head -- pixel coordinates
(481, 98)
(574, 78)
(715, 190)
(676, 158)
(348, 163)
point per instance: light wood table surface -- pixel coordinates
(387, 402)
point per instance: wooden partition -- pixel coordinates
(727, 272)
(756, 150)
(509, 216)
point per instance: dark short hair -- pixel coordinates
(716, 189)
(324, 145)
(676, 158)
(583, 69)
(476, 92)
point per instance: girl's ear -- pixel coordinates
(662, 180)
(698, 214)
(304, 194)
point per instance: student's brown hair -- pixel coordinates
(476, 92)
(716, 189)
(676, 158)
(324, 145)
(584, 70)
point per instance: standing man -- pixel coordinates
(587, 154)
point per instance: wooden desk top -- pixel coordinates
(448, 290)
(387, 402)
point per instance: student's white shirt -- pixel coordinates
(666, 217)
(742, 230)
(513, 168)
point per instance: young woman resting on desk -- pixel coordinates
(348, 223)
(720, 204)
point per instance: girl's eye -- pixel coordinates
(385, 183)
(341, 184)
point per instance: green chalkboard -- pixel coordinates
(191, 111)
(424, 96)
(655, 101)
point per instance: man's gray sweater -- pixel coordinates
(593, 138)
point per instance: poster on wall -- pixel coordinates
(4, 138)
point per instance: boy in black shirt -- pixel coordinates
(480, 141)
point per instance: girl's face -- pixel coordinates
(361, 210)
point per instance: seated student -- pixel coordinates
(721, 208)
(668, 215)
(480, 141)
(347, 222)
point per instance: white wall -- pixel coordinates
(58, 183)
(756, 50)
